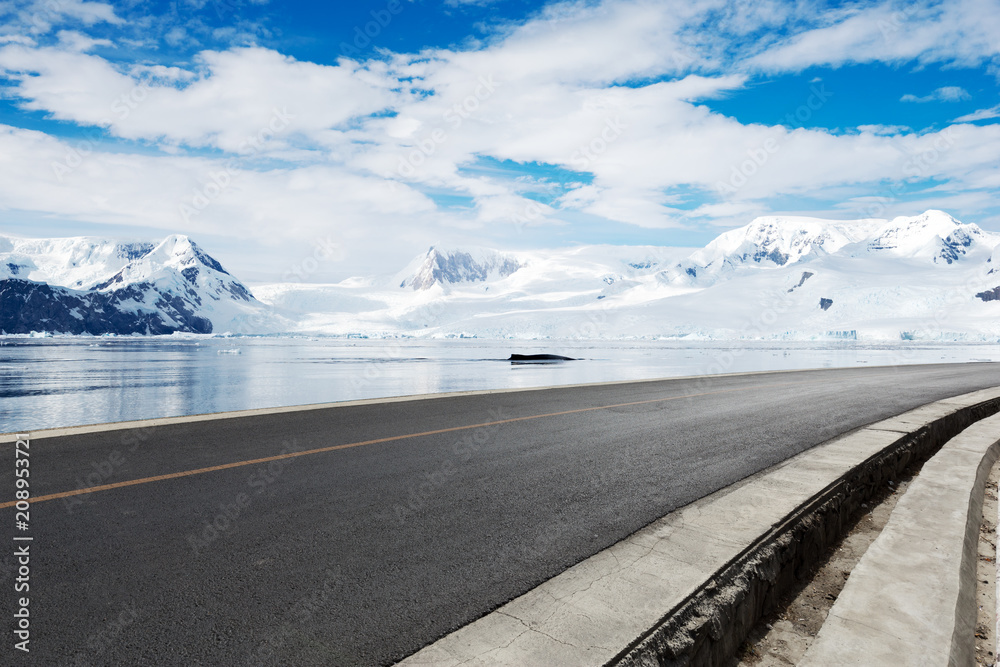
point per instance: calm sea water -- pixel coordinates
(55, 382)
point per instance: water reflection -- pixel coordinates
(47, 383)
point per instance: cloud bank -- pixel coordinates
(585, 112)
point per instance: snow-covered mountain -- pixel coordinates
(934, 235)
(926, 276)
(96, 286)
(771, 242)
(449, 267)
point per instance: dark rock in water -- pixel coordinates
(825, 303)
(539, 357)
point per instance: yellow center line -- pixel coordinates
(332, 448)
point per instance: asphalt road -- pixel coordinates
(361, 555)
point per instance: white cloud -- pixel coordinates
(980, 114)
(40, 16)
(81, 180)
(88, 13)
(580, 43)
(959, 32)
(235, 96)
(72, 40)
(176, 36)
(613, 91)
(17, 39)
(885, 129)
(943, 94)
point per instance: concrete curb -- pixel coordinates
(911, 600)
(689, 587)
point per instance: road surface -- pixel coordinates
(413, 518)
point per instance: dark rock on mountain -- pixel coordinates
(132, 288)
(806, 275)
(27, 306)
(775, 255)
(990, 295)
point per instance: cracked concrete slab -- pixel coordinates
(882, 648)
(962, 400)
(860, 445)
(914, 419)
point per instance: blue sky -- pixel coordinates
(266, 130)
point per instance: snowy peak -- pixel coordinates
(777, 241)
(450, 267)
(934, 235)
(907, 233)
(88, 285)
(77, 262)
(773, 242)
(179, 251)
(84, 263)
(769, 242)
(175, 258)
